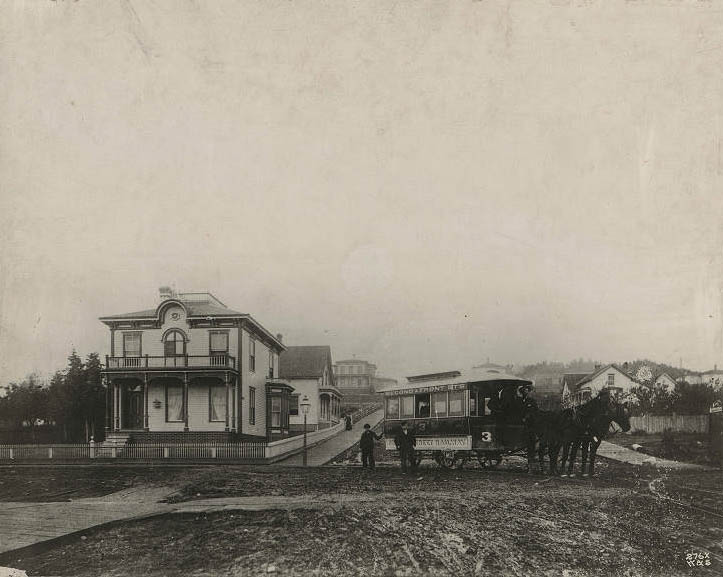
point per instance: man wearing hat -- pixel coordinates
(366, 444)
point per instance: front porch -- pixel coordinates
(329, 407)
(172, 402)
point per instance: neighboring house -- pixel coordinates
(665, 381)
(547, 390)
(355, 376)
(190, 369)
(309, 370)
(714, 377)
(609, 377)
(691, 378)
(568, 382)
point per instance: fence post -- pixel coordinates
(50, 452)
(213, 452)
(165, 452)
(114, 451)
(12, 453)
(92, 448)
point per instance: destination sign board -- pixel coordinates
(427, 389)
(437, 444)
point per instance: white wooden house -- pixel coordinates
(189, 369)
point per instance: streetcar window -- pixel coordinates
(422, 405)
(392, 407)
(407, 406)
(473, 403)
(439, 404)
(456, 403)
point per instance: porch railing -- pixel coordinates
(215, 361)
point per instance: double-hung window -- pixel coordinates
(275, 411)
(217, 403)
(271, 364)
(218, 342)
(174, 404)
(131, 344)
(294, 405)
(252, 405)
(252, 354)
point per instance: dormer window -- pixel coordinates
(174, 344)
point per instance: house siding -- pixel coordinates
(621, 380)
(257, 379)
(310, 388)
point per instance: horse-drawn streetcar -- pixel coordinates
(457, 415)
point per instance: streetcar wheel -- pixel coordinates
(445, 459)
(462, 461)
(487, 460)
(493, 461)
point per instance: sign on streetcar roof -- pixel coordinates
(449, 380)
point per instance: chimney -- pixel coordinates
(280, 337)
(165, 292)
(598, 367)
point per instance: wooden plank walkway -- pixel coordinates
(324, 452)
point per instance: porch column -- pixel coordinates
(108, 405)
(233, 404)
(116, 405)
(228, 391)
(185, 401)
(145, 401)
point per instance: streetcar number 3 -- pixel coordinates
(486, 437)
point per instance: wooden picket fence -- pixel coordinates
(676, 423)
(241, 452)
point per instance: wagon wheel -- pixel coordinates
(489, 460)
(462, 459)
(445, 459)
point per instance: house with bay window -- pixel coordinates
(309, 371)
(192, 369)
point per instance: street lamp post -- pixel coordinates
(305, 404)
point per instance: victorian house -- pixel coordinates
(191, 369)
(309, 371)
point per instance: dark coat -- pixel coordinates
(367, 439)
(405, 442)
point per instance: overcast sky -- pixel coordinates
(422, 184)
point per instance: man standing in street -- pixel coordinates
(405, 442)
(366, 444)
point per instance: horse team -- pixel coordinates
(570, 430)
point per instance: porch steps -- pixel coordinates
(116, 439)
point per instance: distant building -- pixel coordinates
(665, 381)
(309, 370)
(355, 375)
(547, 390)
(609, 377)
(713, 377)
